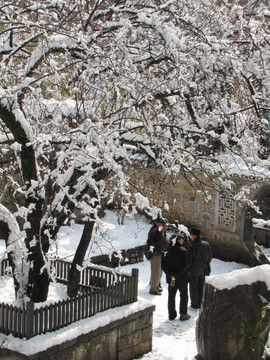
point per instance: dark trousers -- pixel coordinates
(183, 289)
(196, 284)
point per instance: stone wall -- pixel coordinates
(222, 220)
(124, 339)
(129, 256)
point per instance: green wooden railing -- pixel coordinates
(101, 289)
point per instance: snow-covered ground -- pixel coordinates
(171, 339)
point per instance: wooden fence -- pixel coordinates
(101, 290)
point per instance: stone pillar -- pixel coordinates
(230, 322)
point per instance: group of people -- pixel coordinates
(184, 261)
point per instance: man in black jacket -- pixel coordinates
(174, 264)
(199, 256)
(156, 244)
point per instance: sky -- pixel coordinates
(171, 339)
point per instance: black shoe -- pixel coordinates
(155, 292)
(184, 317)
(173, 316)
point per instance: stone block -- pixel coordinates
(228, 315)
(80, 352)
(127, 328)
(4, 352)
(99, 348)
(142, 348)
(142, 322)
(147, 333)
(51, 353)
(64, 354)
(126, 354)
(84, 338)
(130, 340)
(66, 344)
(102, 330)
(13, 355)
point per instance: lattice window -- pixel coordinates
(226, 212)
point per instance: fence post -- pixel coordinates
(135, 275)
(29, 319)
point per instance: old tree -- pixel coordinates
(85, 82)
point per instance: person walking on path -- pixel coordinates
(174, 264)
(199, 258)
(156, 243)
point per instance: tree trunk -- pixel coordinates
(39, 277)
(74, 273)
(38, 284)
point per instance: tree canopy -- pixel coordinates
(84, 83)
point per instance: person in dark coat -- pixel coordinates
(174, 264)
(199, 256)
(156, 243)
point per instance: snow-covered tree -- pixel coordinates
(85, 82)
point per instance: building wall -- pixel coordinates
(222, 221)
